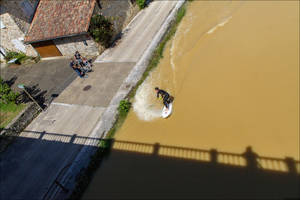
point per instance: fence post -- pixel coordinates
(291, 165)
(213, 156)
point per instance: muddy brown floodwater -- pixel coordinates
(233, 68)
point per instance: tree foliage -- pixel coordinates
(101, 29)
(6, 94)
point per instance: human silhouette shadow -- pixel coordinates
(251, 159)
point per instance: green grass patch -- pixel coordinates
(141, 3)
(21, 57)
(8, 107)
(123, 110)
(8, 112)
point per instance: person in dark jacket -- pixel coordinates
(74, 65)
(167, 99)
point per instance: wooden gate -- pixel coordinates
(46, 49)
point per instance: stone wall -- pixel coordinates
(11, 33)
(8, 135)
(82, 43)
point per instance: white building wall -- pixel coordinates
(21, 11)
(11, 37)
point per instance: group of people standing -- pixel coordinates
(81, 65)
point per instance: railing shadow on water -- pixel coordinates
(191, 172)
(248, 160)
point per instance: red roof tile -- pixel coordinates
(60, 18)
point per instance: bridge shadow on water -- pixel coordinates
(36, 164)
(135, 170)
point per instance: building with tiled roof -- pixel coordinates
(15, 19)
(56, 27)
(60, 27)
(47, 27)
(60, 18)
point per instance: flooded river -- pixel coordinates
(233, 68)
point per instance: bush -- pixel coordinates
(6, 94)
(20, 57)
(11, 55)
(141, 3)
(101, 29)
(124, 107)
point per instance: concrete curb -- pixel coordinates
(109, 116)
(54, 58)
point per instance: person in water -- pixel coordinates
(167, 99)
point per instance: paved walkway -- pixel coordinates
(139, 33)
(51, 142)
(100, 86)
